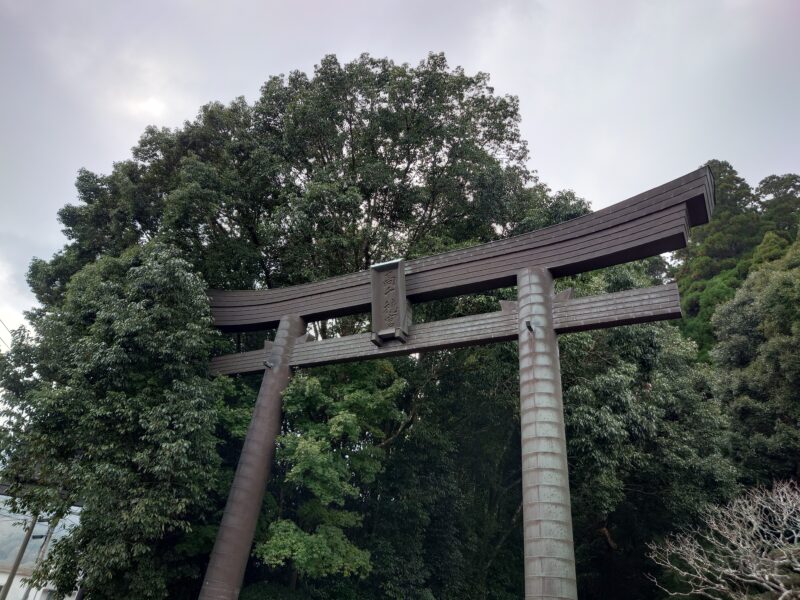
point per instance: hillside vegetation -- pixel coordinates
(395, 478)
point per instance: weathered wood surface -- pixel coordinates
(650, 223)
(228, 560)
(592, 312)
(253, 361)
(621, 308)
(391, 310)
(548, 548)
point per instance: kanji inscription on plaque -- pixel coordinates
(391, 315)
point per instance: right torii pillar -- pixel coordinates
(645, 225)
(546, 515)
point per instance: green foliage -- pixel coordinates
(748, 227)
(336, 423)
(324, 552)
(778, 196)
(539, 208)
(112, 409)
(759, 369)
(322, 175)
(270, 591)
(394, 479)
(771, 248)
(645, 441)
(701, 302)
(711, 268)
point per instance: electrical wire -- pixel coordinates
(4, 325)
(9, 333)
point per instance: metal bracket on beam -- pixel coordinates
(391, 311)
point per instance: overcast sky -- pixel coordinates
(616, 96)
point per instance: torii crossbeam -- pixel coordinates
(648, 224)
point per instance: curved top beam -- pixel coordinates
(645, 225)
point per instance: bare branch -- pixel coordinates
(748, 547)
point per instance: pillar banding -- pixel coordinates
(547, 518)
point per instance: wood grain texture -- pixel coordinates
(650, 223)
(226, 566)
(569, 314)
(241, 362)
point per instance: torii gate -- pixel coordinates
(648, 224)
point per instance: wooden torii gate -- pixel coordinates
(648, 224)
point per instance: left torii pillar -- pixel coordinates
(223, 580)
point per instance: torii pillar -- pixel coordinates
(546, 514)
(645, 225)
(226, 568)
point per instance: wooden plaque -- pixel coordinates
(391, 313)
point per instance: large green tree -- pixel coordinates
(759, 369)
(108, 406)
(394, 479)
(721, 253)
(323, 175)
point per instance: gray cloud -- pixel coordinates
(616, 97)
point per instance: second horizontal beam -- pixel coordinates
(594, 312)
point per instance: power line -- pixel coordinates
(9, 333)
(4, 325)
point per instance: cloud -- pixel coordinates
(12, 301)
(152, 108)
(127, 81)
(619, 97)
(615, 97)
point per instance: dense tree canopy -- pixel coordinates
(108, 406)
(747, 224)
(359, 162)
(759, 369)
(394, 479)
